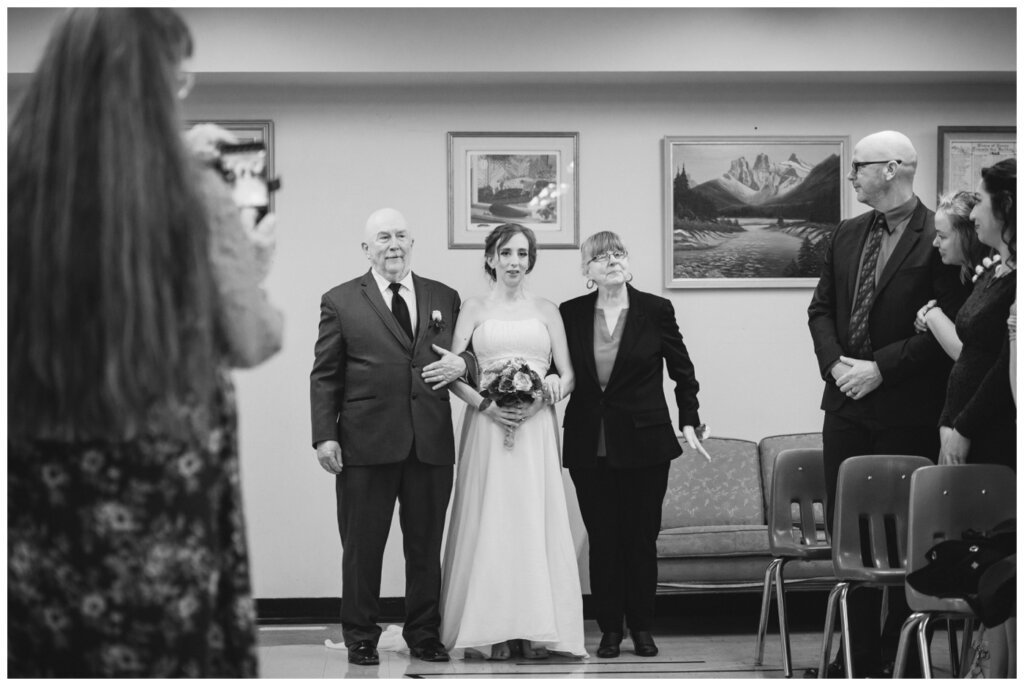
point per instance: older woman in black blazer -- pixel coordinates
(619, 440)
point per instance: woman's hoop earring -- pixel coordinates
(590, 284)
(629, 276)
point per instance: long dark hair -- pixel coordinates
(1000, 182)
(109, 287)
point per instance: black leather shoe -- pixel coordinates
(363, 653)
(643, 643)
(835, 670)
(609, 647)
(430, 650)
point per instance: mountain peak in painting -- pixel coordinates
(764, 180)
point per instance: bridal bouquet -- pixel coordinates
(511, 384)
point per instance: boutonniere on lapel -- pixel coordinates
(437, 321)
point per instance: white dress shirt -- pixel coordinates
(407, 292)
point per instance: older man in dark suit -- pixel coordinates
(382, 424)
(885, 383)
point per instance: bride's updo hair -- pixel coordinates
(502, 235)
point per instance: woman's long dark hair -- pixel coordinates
(1000, 182)
(109, 287)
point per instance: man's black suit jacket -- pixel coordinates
(366, 391)
(914, 367)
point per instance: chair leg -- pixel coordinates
(830, 625)
(922, 646)
(766, 604)
(954, 654)
(965, 647)
(780, 598)
(844, 623)
(906, 636)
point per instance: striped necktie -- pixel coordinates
(860, 338)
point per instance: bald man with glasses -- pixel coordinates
(884, 383)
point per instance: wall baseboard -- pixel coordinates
(737, 609)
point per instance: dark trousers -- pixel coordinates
(843, 437)
(366, 504)
(621, 509)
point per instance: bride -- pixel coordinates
(510, 580)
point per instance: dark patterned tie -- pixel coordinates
(860, 339)
(400, 310)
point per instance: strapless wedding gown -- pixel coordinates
(509, 563)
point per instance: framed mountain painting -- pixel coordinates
(751, 212)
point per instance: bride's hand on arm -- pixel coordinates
(559, 353)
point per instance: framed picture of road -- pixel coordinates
(965, 150)
(751, 212)
(523, 178)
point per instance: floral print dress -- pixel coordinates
(129, 559)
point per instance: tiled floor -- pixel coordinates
(299, 652)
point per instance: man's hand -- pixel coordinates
(445, 370)
(329, 455)
(838, 369)
(862, 377)
(955, 446)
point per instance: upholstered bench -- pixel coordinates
(714, 533)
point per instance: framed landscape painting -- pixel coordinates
(751, 212)
(965, 150)
(522, 178)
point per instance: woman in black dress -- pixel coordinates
(978, 422)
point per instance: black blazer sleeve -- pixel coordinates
(678, 365)
(327, 380)
(821, 314)
(918, 354)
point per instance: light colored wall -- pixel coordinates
(345, 148)
(586, 39)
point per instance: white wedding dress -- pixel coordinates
(510, 564)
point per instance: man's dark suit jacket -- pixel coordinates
(637, 423)
(914, 367)
(366, 391)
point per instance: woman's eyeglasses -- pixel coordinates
(608, 255)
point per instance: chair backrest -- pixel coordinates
(726, 490)
(798, 495)
(872, 512)
(768, 449)
(946, 501)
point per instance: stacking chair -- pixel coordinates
(944, 502)
(798, 483)
(869, 541)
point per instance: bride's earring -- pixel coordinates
(590, 284)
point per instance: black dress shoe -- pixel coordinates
(643, 643)
(835, 670)
(609, 647)
(363, 653)
(430, 650)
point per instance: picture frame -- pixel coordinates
(249, 131)
(751, 211)
(527, 178)
(964, 150)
